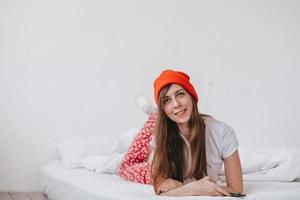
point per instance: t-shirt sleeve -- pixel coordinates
(229, 143)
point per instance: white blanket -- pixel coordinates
(270, 164)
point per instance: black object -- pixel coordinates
(237, 194)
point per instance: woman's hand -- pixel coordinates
(206, 187)
(168, 184)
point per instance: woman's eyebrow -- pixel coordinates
(180, 90)
(176, 92)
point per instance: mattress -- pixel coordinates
(60, 183)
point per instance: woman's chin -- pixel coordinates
(181, 120)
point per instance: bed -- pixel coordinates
(87, 170)
(60, 183)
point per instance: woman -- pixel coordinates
(189, 148)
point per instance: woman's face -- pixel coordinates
(177, 104)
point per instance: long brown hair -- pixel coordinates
(168, 161)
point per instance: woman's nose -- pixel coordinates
(176, 103)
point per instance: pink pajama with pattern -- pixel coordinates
(134, 166)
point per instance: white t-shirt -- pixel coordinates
(220, 141)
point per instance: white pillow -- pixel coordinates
(74, 150)
(103, 163)
(109, 162)
(95, 162)
(124, 141)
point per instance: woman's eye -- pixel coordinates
(166, 101)
(180, 94)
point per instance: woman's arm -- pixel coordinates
(202, 187)
(205, 187)
(233, 173)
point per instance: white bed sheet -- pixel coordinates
(60, 183)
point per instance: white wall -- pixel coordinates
(73, 68)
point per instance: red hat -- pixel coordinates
(170, 76)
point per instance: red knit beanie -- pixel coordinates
(170, 76)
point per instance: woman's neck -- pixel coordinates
(185, 130)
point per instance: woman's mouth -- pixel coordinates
(181, 112)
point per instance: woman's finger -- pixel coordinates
(222, 191)
(160, 188)
(162, 184)
(217, 193)
(158, 191)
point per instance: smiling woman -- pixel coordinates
(181, 151)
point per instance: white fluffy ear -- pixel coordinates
(144, 103)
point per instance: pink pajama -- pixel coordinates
(134, 166)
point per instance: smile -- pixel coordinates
(180, 113)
